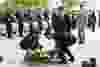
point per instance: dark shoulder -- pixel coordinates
(26, 42)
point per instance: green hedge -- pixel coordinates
(32, 3)
(72, 7)
(36, 59)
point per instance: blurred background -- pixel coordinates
(9, 52)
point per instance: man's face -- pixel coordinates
(35, 25)
(44, 25)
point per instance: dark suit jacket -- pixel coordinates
(29, 42)
(61, 25)
(58, 23)
(3, 20)
(63, 41)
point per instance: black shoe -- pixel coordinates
(21, 35)
(1, 59)
(72, 59)
(10, 36)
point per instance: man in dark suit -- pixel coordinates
(7, 19)
(31, 40)
(11, 19)
(20, 16)
(62, 35)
